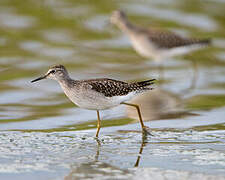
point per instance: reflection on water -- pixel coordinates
(100, 170)
(158, 104)
(71, 154)
(143, 144)
(54, 138)
(96, 169)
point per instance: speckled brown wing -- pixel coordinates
(169, 40)
(110, 87)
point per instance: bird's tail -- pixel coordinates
(142, 85)
(145, 83)
(205, 41)
(200, 41)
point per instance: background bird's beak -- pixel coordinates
(40, 78)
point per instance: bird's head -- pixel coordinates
(56, 72)
(118, 17)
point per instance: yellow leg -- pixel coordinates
(139, 112)
(99, 123)
(144, 128)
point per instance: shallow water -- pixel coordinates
(44, 136)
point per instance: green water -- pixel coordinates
(44, 135)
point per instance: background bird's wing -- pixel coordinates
(171, 40)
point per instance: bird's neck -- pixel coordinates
(66, 82)
(127, 26)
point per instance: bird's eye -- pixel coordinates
(52, 71)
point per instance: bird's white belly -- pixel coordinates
(88, 103)
(181, 50)
(144, 47)
(96, 101)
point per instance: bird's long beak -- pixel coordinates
(40, 78)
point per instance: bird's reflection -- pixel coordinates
(96, 168)
(158, 104)
(98, 149)
(143, 144)
(194, 78)
(194, 75)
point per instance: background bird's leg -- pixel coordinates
(161, 72)
(99, 123)
(160, 67)
(193, 85)
(144, 128)
(195, 74)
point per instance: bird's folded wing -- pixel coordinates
(170, 40)
(109, 87)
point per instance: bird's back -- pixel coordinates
(111, 87)
(168, 40)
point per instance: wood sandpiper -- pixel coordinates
(156, 44)
(98, 94)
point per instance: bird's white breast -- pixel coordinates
(144, 46)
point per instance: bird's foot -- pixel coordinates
(99, 141)
(146, 131)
